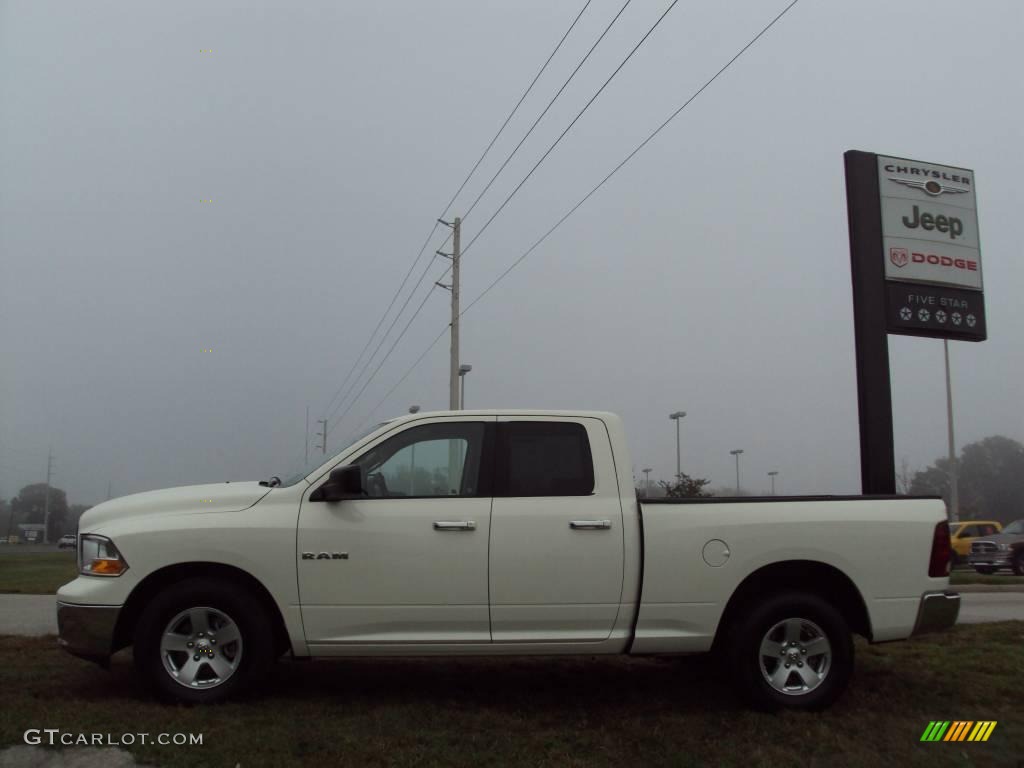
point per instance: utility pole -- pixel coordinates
(453, 362)
(46, 502)
(323, 444)
(453, 383)
(954, 470)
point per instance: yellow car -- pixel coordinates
(963, 533)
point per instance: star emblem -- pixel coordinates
(930, 187)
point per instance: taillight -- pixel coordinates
(939, 563)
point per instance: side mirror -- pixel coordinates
(343, 483)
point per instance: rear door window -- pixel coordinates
(544, 458)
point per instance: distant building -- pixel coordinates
(31, 533)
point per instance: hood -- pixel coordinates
(189, 499)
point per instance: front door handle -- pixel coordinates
(590, 525)
(453, 525)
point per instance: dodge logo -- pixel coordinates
(899, 257)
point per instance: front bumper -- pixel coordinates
(87, 631)
(1002, 559)
(938, 611)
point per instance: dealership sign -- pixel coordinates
(915, 259)
(929, 223)
(929, 241)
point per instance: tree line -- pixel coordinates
(990, 481)
(29, 507)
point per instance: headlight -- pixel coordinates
(1002, 546)
(97, 556)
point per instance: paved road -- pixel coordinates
(978, 607)
(28, 615)
(36, 615)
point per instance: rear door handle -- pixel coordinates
(455, 525)
(590, 525)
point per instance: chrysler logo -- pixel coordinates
(930, 187)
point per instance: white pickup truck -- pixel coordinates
(499, 532)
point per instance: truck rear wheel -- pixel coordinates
(1018, 563)
(201, 641)
(792, 651)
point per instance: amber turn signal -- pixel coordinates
(106, 567)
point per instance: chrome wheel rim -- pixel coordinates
(795, 656)
(201, 648)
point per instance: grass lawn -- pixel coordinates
(36, 573)
(973, 577)
(617, 712)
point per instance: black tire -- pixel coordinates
(984, 570)
(749, 670)
(255, 649)
(1018, 563)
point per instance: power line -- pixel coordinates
(514, 109)
(590, 194)
(423, 247)
(550, 103)
(406, 374)
(629, 157)
(382, 318)
(383, 338)
(569, 127)
(386, 356)
(544, 157)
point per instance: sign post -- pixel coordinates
(916, 269)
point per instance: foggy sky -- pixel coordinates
(710, 275)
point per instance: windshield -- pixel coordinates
(316, 459)
(1015, 528)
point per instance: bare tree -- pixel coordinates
(904, 477)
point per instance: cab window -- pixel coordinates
(433, 460)
(538, 458)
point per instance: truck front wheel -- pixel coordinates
(202, 641)
(792, 651)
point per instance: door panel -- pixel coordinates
(389, 574)
(552, 581)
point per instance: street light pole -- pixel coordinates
(737, 453)
(676, 417)
(772, 475)
(412, 462)
(463, 370)
(647, 481)
(954, 471)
